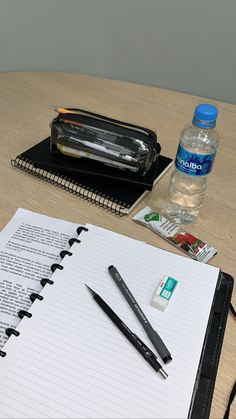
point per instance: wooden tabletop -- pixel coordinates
(26, 109)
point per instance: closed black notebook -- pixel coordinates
(91, 168)
(118, 197)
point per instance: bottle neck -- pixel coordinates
(203, 124)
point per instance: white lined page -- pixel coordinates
(71, 361)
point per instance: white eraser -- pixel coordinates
(164, 292)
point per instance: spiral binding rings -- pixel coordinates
(73, 240)
(56, 266)
(86, 192)
(63, 253)
(45, 281)
(24, 313)
(10, 331)
(33, 296)
(81, 228)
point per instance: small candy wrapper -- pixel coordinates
(170, 231)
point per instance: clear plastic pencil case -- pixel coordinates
(80, 133)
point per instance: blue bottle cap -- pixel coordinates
(205, 115)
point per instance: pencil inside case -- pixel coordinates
(82, 134)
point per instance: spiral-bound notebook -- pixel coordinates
(66, 359)
(120, 198)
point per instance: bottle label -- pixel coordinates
(194, 164)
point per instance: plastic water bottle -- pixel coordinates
(194, 160)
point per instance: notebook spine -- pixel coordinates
(76, 188)
(44, 281)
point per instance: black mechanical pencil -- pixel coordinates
(146, 353)
(152, 334)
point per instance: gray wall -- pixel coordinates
(185, 45)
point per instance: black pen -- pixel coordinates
(152, 334)
(146, 353)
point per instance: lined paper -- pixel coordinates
(70, 361)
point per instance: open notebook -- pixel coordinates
(69, 360)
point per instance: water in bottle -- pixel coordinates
(194, 160)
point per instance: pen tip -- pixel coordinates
(110, 267)
(90, 289)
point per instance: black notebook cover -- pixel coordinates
(82, 166)
(117, 197)
(205, 383)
